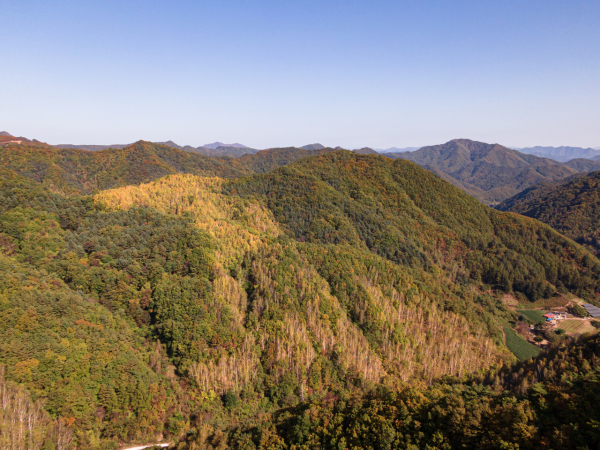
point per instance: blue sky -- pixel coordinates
(266, 73)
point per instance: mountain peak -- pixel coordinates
(5, 133)
(490, 172)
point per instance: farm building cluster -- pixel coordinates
(552, 316)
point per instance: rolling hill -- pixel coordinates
(365, 151)
(489, 172)
(571, 207)
(312, 147)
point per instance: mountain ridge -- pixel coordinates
(312, 147)
(572, 207)
(563, 153)
(217, 144)
(490, 172)
(80, 171)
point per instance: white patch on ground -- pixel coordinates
(146, 446)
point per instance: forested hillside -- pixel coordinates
(149, 311)
(267, 160)
(489, 172)
(583, 165)
(412, 217)
(549, 402)
(571, 207)
(75, 171)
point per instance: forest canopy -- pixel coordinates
(179, 307)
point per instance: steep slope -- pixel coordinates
(490, 172)
(521, 407)
(240, 309)
(410, 216)
(571, 207)
(96, 374)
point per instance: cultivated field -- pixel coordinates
(535, 315)
(577, 326)
(519, 346)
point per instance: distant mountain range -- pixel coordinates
(562, 154)
(396, 149)
(489, 172)
(360, 150)
(216, 145)
(234, 150)
(92, 148)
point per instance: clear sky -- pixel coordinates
(279, 73)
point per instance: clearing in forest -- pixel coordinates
(519, 346)
(577, 326)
